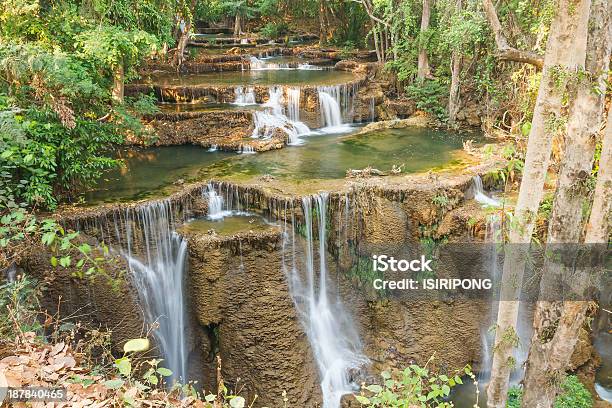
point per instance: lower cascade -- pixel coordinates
(335, 342)
(158, 275)
(480, 195)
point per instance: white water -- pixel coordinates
(335, 343)
(246, 149)
(245, 96)
(293, 103)
(266, 122)
(493, 240)
(260, 64)
(213, 148)
(481, 196)
(158, 276)
(331, 98)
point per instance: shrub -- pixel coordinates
(573, 395)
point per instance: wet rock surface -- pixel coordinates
(238, 290)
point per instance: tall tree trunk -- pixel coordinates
(184, 38)
(455, 87)
(237, 25)
(118, 84)
(423, 65)
(323, 23)
(553, 342)
(561, 53)
(598, 227)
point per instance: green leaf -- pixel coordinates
(445, 390)
(136, 345)
(237, 402)
(114, 384)
(385, 375)
(124, 366)
(374, 388)
(65, 261)
(362, 400)
(210, 397)
(53, 261)
(164, 372)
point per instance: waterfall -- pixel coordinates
(335, 343)
(256, 63)
(293, 104)
(493, 242)
(332, 101)
(245, 96)
(266, 122)
(487, 338)
(480, 195)
(224, 204)
(215, 203)
(246, 149)
(158, 276)
(213, 148)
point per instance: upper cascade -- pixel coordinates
(273, 117)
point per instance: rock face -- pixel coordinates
(226, 130)
(105, 301)
(241, 300)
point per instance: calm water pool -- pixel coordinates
(150, 169)
(320, 157)
(295, 77)
(330, 156)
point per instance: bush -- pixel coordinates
(573, 395)
(429, 96)
(274, 30)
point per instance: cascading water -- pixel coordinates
(266, 122)
(293, 103)
(244, 96)
(335, 343)
(158, 276)
(480, 195)
(493, 240)
(332, 101)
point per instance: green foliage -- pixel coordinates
(573, 395)
(19, 307)
(429, 96)
(109, 47)
(414, 386)
(274, 30)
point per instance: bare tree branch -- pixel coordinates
(504, 50)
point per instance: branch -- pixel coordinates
(505, 51)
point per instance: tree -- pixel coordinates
(423, 64)
(453, 97)
(564, 51)
(553, 341)
(116, 51)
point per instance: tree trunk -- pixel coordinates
(598, 227)
(504, 51)
(455, 87)
(237, 25)
(553, 341)
(423, 65)
(118, 84)
(323, 23)
(561, 53)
